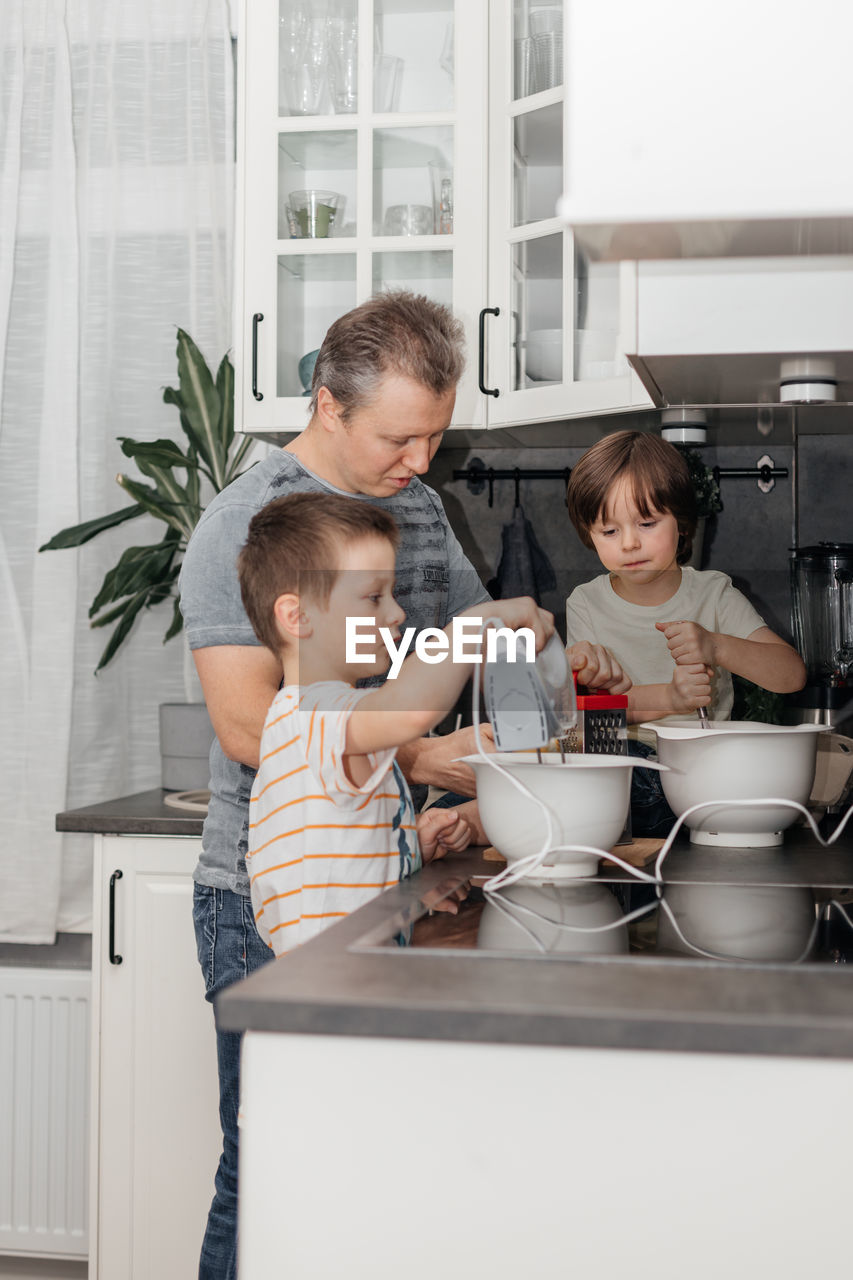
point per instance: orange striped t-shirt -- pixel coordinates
(320, 846)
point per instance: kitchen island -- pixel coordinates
(467, 1112)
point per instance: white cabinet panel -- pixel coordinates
(155, 1092)
(709, 130)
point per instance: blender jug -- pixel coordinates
(844, 656)
(822, 597)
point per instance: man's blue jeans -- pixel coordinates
(229, 948)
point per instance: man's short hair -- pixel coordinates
(394, 332)
(657, 475)
(294, 545)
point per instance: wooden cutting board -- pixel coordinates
(639, 853)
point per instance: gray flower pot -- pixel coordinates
(186, 736)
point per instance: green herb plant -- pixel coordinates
(751, 702)
(706, 488)
(147, 576)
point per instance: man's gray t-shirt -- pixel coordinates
(434, 582)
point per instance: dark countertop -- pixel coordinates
(143, 814)
(344, 983)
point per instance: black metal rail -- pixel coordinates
(479, 477)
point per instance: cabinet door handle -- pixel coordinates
(481, 367)
(256, 320)
(114, 959)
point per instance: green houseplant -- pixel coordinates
(705, 486)
(146, 576)
(708, 501)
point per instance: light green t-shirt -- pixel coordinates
(596, 613)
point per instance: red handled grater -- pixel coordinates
(602, 727)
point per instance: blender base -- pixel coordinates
(738, 839)
(557, 872)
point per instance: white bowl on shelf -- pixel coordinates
(587, 795)
(741, 760)
(544, 348)
(596, 354)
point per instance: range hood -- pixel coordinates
(749, 332)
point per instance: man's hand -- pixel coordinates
(596, 668)
(691, 688)
(516, 612)
(442, 831)
(433, 761)
(689, 643)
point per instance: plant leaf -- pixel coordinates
(127, 615)
(242, 449)
(225, 388)
(157, 453)
(137, 568)
(199, 401)
(172, 512)
(172, 493)
(194, 482)
(76, 535)
(177, 623)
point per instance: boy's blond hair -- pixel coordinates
(658, 477)
(294, 545)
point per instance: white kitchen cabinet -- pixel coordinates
(155, 1096)
(709, 130)
(733, 331)
(743, 1161)
(436, 141)
(561, 324)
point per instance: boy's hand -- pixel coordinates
(691, 688)
(597, 668)
(689, 643)
(442, 831)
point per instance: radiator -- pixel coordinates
(44, 1108)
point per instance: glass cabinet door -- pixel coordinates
(361, 168)
(555, 347)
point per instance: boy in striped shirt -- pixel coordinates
(331, 819)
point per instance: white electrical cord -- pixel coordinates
(525, 867)
(528, 865)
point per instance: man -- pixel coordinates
(384, 388)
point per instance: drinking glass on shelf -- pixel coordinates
(548, 58)
(446, 58)
(387, 76)
(342, 31)
(524, 68)
(314, 212)
(548, 18)
(309, 87)
(441, 181)
(292, 38)
(408, 220)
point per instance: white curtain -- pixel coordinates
(116, 226)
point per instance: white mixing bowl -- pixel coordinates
(740, 760)
(588, 797)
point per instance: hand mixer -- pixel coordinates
(529, 703)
